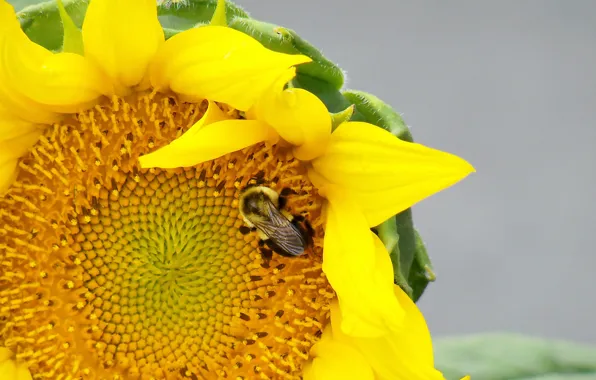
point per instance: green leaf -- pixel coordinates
(42, 24)
(387, 232)
(287, 41)
(421, 272)
(407, 239)
(187, 14)
(20, 4)
(379, 113)
(514, 357)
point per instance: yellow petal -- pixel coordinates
(18, 146)
(35, 84)
(297, 115)
(23, 373)
(10, 369)
(12, 126)
(10, 151)
(220, 64)
(333, 360)
(122, 37)
(383, 174)
(5, 354)
(402, 355)
(186, 141)
(63, 83)
(359, 269)
(209, 142)
(8, 173)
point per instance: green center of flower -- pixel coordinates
(163, 257)
(168, 237)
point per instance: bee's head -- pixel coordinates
(254, 200)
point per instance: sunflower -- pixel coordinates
(122, 248)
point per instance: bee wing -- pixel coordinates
(281, 231)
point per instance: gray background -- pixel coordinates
(511, 87)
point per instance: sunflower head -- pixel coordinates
(124, 245)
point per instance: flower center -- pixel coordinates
(113, 271)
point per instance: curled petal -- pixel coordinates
(122, 37)
(383, 174)
(359, 269)
(208, 142)
(219, 63)
(35, 84)
(62, 83)
(297, 115)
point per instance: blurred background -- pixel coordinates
(511, 87)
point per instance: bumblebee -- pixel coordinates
(261, 209)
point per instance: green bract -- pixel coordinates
(413, 271)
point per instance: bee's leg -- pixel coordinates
(244, 230)
(266, 255)
(311, 231)
(281, 202)
(271, 244)
(255, 181)
(305, 227)
(283, 196)
(258, 179)
(287, 191)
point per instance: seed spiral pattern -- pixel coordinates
(109, 271)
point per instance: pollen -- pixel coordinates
(110, 271)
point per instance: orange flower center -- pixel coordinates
(112, 271)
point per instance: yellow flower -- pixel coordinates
(122, 249)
